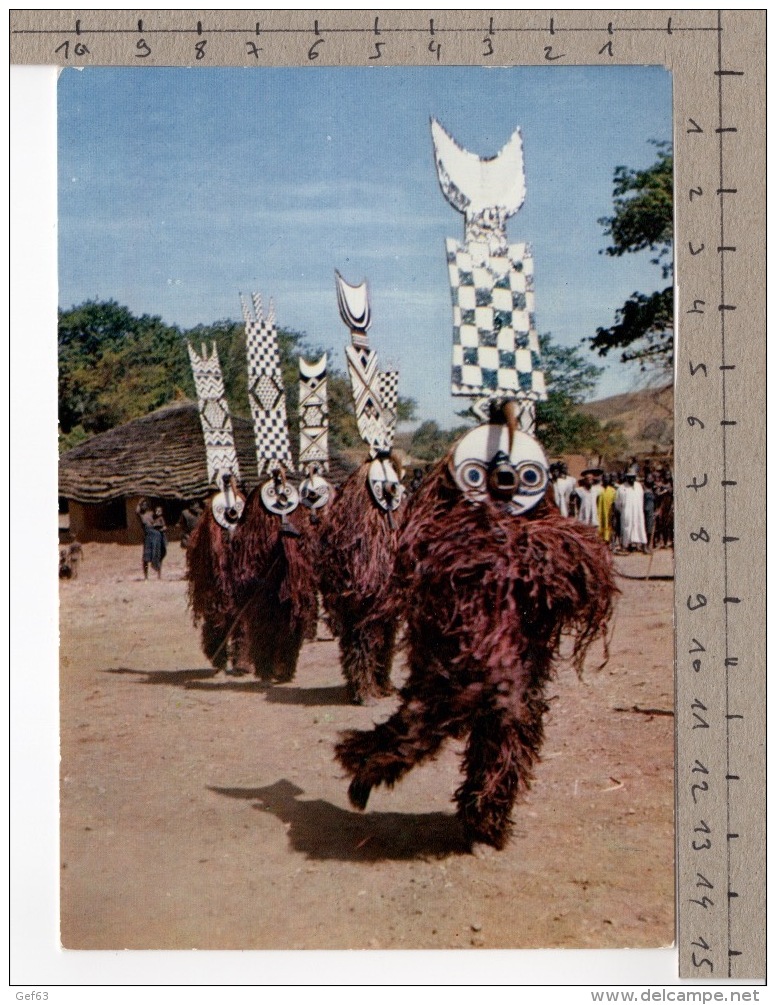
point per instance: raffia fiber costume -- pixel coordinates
(486, 597)
(273, 586)
(210, 594)
(358, 535)
(357, 546)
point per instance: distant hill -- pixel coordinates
(646, 418)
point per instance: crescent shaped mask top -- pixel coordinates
(353, 303)
(474, 184)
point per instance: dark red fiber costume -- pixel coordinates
(486, 596)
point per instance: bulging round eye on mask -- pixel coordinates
(279, 498)
(473, 475)
(483, 466)
(532, 477)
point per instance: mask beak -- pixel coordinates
(509, 409)
(502, 477)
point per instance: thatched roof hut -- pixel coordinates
(161, 457)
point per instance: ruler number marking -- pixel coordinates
(79, 49)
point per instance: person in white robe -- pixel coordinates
(563, 486)
(629, 503)
(587, 491)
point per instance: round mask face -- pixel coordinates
(385, 486)
(280, 500)
(483, 467)
(227, 509)
(314, 492)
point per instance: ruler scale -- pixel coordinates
(717, 59)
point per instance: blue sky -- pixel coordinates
(180, 187)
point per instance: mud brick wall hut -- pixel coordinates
(159, 457)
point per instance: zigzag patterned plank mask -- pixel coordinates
(375, 392)
(222, 468)
(214, 415)
(495, 344)
(265, 389)
(313, 432)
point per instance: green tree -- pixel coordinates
(567, 371)
(114, 366)
(562, 428)
(570, 378)
(643, 220)
(430, 442)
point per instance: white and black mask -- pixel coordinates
(484, 466)
(279, 497)
(227, 507)
(314, 491)
(385, 484)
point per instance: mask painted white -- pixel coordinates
(385, 484)
(278, 498)
(472, 466)
(314, 491)
(227, 508)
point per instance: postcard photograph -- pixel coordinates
(366, 508)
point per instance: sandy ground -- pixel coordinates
(206, 811)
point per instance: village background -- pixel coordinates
(207, 812)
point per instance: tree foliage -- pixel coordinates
(569, 378)
(429, 441)
(567, 371)
(643, 220)
(115, 366)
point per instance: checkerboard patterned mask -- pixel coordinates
(265, 389)
(495, 344)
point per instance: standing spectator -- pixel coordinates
(417, 478)
(587, 491)
(188, 521)
(154, 537)
(606, 510)
(664, 513)
(70, 554)
(630, 507)
(563, 486)
(649, 509)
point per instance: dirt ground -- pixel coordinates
(205, 811)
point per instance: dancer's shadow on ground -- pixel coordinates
(336, 695)
(165, 676)
(208, 679)
(274, 693)
(323, 831)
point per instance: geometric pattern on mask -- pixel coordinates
(374, 397)
(375, 393)
(495, 343)
(266, 393)
(313, 416)
(214, 417)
